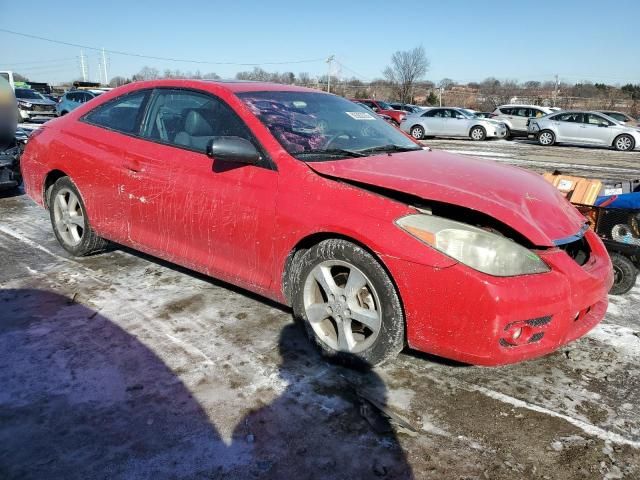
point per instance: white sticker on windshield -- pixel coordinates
(360, 115)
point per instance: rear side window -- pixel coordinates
(506, 111)
(122, 114)
(597, 120)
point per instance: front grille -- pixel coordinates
(538, 322)
(579, 250)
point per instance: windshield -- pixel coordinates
(384, 105)
(26, 93)
(318, 126)
(468, 113)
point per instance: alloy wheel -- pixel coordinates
(342, 306)
(68, 217)
(623, 143)
(546, 138)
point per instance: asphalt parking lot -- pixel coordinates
(123, 366)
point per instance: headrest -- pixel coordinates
(196, 125)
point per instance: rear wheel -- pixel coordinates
(70, 222)
(546, 138)
(348, 304)
(624, 274)
(417, 132)
(624, 143)
(478, 133)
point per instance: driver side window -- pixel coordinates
(189, 119)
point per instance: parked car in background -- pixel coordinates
(482, 114)
(621, 117)
(515, 117)
(584, 127)
(379, 106)
(500, 252)
(405, 107)
(32, 105)
(386, 118)
(74, 98)
(451, 122)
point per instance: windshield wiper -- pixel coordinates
(332, 152)
(390, 148)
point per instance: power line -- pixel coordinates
(152, 57)
(352, 71)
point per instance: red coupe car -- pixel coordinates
(308, 199)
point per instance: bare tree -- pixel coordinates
(407, 67)
(146, 73)
(446, 83)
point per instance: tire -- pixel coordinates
(70, 221)
(624, 274)
(546, 138)
(624, 143)
(417, 132)
(508, 135)
(329, 307)
(395, 123)
(478, 133)
(62, 113)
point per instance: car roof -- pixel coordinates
(522, 105)
(235, 86)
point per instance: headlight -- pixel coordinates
(24, 104)
(477, 248)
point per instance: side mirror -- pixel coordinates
(603, 125)
(233, 149)
(460, 117)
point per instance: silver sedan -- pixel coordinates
(583, 127)
(451, 122)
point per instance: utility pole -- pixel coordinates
(83, 68)
(104, 64)
(329, 61)
(555, 92)
(440, 90)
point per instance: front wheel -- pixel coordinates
(478, 133)
(624, 143)
(624, 274)
(546, 138)
(70, 222)
(348, 304)
(417, 132)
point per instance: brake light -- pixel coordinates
(491, 115)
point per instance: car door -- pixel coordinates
(519, 118)
(457, 124)
(188, 208)
(433, 121)
(570, 127)
(597, 129)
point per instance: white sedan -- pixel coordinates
(451, 122)
(584, 127)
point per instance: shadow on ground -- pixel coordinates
(82, 398)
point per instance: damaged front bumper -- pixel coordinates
(471, 317)
(10, 176)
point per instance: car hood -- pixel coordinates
(521, 199)
(36, 101)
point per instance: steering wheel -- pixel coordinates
(332, 138)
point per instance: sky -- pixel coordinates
(584, 40)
